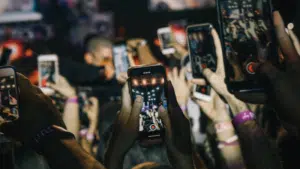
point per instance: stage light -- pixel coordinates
(162, 81)
(153, 81)
(144, 82)
(157, 88)
(135, 82)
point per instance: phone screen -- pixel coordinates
(8, 98)
(47, 72)
(152, 88)
(121, 61)
(248, 37)
(166, 40)
(202, 53)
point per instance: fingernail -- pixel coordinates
(139, 99)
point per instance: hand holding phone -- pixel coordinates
(150, 83)
(9, 95)
(202, 55)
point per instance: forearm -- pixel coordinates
(71, 118)
(145, 55)
(257, 150)
(231, 154)
(67, 154)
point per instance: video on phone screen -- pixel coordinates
(166, 40)
(175, 5)
(120, 59)
(247, 35)
(151, 88)
(8, 98)
(47, 72)
(202, 52)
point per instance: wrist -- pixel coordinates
(72, 99)
(243, 117)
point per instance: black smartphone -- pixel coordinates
(120, 58)
(9, 95)
(202, 55)
(247, 35)
(150, 82)
(5, 57)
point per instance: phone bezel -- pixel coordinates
(243, 86)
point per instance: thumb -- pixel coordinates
(209, 75)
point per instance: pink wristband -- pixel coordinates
(72, 100)
(243, 117)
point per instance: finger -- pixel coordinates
(284, 41)
(164, 116)
(172, 101)
(133, 120)
(175, 73)
(208, 74)
(182, 74)
(200, 82)
(126, 103)
(219, 52)
(295, 41)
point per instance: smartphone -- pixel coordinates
(5, 56)
(120, 58)
(150, 82)
(9, 94)
(247, 36)
(48, 72)
(165, 39)
(202, 55)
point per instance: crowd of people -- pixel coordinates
(98, 127)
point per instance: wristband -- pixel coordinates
(142, 43)
(243, 117)
(50, 133)
(72, 100)
(229, 142)
(223, 126)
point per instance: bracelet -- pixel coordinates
(243, 117)
(223, 126)
(229, 142)
(72, 100)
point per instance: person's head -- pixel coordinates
(98, 51)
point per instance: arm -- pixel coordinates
(69, 156)
(231, 154)
(71, 117)
(256, 147)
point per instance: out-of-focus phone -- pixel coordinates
(5, 56)
(150, 82)
(202, 55)
(120, 58)
(166, 39)
(9, 94)
(48, 72)
(247, 37)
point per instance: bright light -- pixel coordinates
(157, 88)
(137, 92)
(153, 81)
(148, 93)
(162, 81)
(135, 82)
(153, 95)
(142, 93)
(153, 90)
(144, 82)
